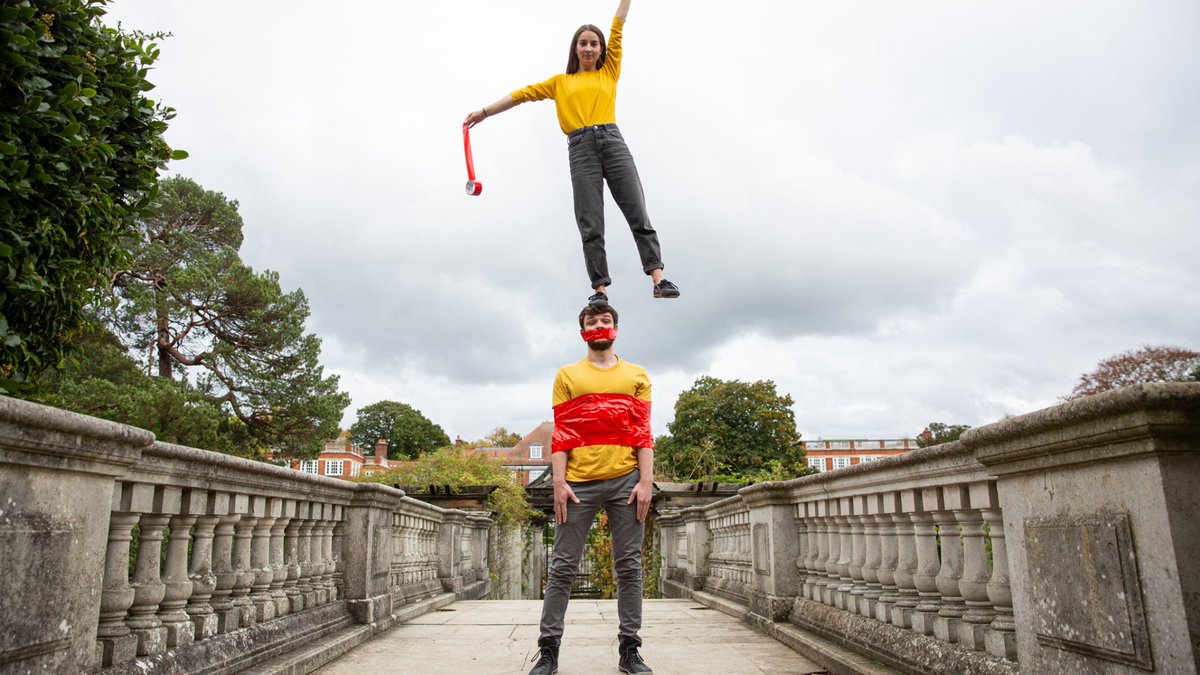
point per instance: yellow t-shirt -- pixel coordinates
(583, 99)
(600, 462)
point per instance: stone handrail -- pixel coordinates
(236, 561)
(1063, 541)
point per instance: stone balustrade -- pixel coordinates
(123, 554)
(1064, 541)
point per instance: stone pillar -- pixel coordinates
(450, 562)
(260, 560)
(976, 574)
(50, 625)
(1102, 523)
(291, 554)
(252, 508)
(872, 556)
(815, 585)
(858, 555)
(278, 556)
(1001, 641)
(774, 550)
(949, 618)
(304, 585)
(669, 525)
(844, 583)
(928, 565)
(696, 524)
(889, 556)
(832, 578)
(907, 596)
(339, 557)
(222, 567)
(369, 551)
(172, 613)
(204, 581)
(812, 548)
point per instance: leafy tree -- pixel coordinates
(460, 467)
(1148, 364)
(498, 438)
(188, 300)
(110, 385)
(1195, 374)
(730, 429)
(80, 151)
(409, 433)
(940, 432)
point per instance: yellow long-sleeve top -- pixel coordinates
(583, 99)
(607, 405)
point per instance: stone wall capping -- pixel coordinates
(38, 435)
(1144, 419)
(919, 469)
(766, 493)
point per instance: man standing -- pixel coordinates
(602, 456)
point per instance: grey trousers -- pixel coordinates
(599, 154)
(569, 539)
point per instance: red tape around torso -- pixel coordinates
(602, 419)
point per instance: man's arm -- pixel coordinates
(643, 492)
(562, 491)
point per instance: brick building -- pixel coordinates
(342, 459)
(829, 454)
(529, 458)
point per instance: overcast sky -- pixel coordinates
(900, 212)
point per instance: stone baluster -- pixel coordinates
(872, 555)
(858, 555)
(1001, 641)
(907, 596)
(812, 548)
(327, 552)
(114, 644)
(928, 564)
(222, 566)
(148, 586)
(949, 618)
(843, 584)
(260, 560)
(291, 547)
(816, 578)
(323, 545)
(201, 571)
(243, 534)
(973, 630)
(172, 611)
(339, 557)
(832, 579)
(278, 557)
(305, 585)
(889, 556)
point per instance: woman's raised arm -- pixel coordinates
(623, 10)
(507, 103)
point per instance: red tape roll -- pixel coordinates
(474, 187)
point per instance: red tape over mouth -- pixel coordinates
(599, 334)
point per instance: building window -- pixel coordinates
(868, 458)
(536, 474)
(895, 443)
(839, 445)
(841, 462)
(814, 445)
(355, 467)
(308, 465)
(817, 463)
(333, 467)
(863, 445)
(535, 452)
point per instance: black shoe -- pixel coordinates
(601, 300)
(631, 661)
(547, 657)
(666, 289)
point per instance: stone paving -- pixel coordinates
(482, 637)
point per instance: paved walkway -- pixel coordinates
(482, 637)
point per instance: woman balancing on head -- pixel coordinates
(585, 98)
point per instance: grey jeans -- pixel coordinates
(599, 154)
(569, 539)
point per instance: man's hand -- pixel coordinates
(562, 492)
(643, 492)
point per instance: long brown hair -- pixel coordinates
(573, 58)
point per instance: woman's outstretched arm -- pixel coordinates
(623, 10)
(507, 103)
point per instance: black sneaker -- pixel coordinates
(631, 661)
(601, 300)
(666, 289)
(547, 657)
